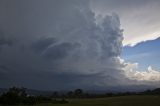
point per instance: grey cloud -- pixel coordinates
(59, 43)
(4, 40)
(60, 51)
(42, 44)
(60, 46)
(121, 5)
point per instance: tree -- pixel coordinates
(55, 94)
(78, 92)
(13, 96)
(70, 94)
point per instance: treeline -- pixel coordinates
(18, 96)
(79, 93)
(152, 92)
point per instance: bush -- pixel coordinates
(18, 96)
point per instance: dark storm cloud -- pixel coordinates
(59, 45)
(121, 5)
(42, 44)
(116, 3)
(59, 51)
(4, 40)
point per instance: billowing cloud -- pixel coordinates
(149, 76)
(59, 45)
(139, 18)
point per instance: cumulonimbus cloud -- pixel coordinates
(60, 45)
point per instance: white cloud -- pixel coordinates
(141, 38)
(149, 75)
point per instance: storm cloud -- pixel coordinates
(58, 44)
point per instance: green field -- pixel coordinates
(113, 101)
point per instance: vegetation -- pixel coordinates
(18, 96)
(132, 100)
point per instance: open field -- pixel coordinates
(113, 101)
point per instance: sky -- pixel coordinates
(146, 54)
(139, 18)
(88, 44)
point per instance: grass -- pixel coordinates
(138, 100)
(113, 101)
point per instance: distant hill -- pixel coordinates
(154, 91)
(38, 92)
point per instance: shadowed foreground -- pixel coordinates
(113, 101)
